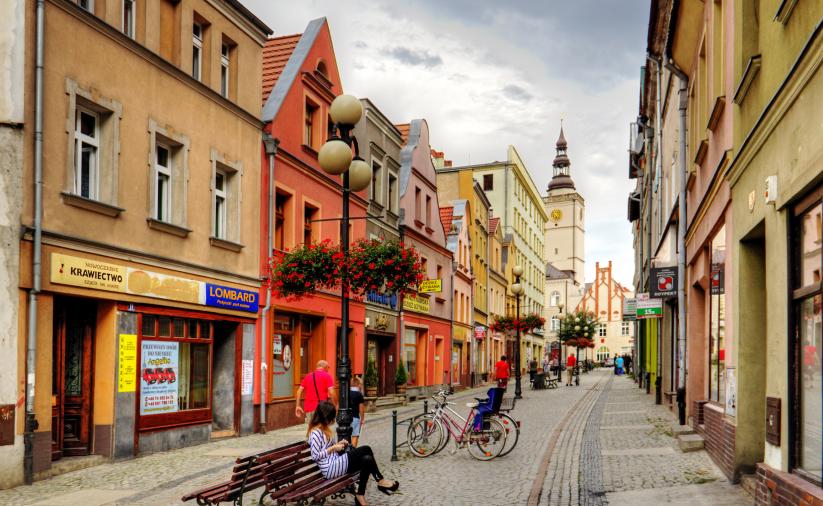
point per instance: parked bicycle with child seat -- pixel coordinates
(483, 432)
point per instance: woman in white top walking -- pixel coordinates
(334, 462)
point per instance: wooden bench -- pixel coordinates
(288, 474)
(551, 382)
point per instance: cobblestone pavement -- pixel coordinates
(601, 443)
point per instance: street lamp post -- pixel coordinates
(335, 158)
(577, 353)
(560, 345)
(517, 290)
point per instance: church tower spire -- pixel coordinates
(561, 164)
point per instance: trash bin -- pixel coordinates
(539, 381)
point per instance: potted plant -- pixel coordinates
(371, 379)
(401, 378)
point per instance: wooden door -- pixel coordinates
(72, 380)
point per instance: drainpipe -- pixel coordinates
(31, 346)
(681, 244)
(270, 144)
(488, 365)
(658, 152)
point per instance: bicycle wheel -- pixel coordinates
(425, 435)
(489, 442)
(512, 433)
(447, 436)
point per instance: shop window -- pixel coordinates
(807, 299)
(717, 319)
(602, 353)
(292, 353)
(410, 355)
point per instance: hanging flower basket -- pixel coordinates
(526, 323)
(582, 342)
(304, 270)
(571, 342)
(382, 266)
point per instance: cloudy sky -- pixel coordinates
(486, 74)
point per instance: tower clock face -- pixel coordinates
(556, 215)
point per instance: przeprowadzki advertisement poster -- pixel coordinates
(158, 377)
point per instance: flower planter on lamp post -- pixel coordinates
(517, 290)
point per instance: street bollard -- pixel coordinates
(425, 406)
(394, 435)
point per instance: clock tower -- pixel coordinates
(565, 230)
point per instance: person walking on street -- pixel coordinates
(318, 386)
(357, 404)
(532, 369)
(501, 372)
(627, 363)
(570, 363)
(619, 365)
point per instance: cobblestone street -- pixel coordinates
(601, 443)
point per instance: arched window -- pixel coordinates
(602, 353)
(554, 299)
(322, 70)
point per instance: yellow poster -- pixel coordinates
(69, 270)
(430, 286)
(417, 304)
(127, 363)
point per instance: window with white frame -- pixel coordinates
(601, 330)
(197, 50)
(86, 4)
(86, 147)
(603, 353)
(224, 70)
(220, 204)
(128, 17)
(555, 325)
(554, 300)
(162, 182)
(624, 328)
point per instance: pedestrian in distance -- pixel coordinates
(619, 365)
(532, 370)
(570, 363)
(615, 364)
(357, 404)
(334, 460)
(318, 386)
(501, 372)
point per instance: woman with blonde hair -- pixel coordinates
(357, 404)
(334, 461)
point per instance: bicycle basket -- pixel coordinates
(507, 404)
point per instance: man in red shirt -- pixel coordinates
(570, 363)
(318, 386)
(501, 372)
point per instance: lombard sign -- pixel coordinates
(382, 299)
(664, 282)
(227, 297)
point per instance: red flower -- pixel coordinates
(371, 265)
(307, 284)
(389, 284)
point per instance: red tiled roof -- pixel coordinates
(276, 54)
(493, 222)
(446, 214)
(404, 131)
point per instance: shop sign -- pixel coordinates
(87, 273)
(718, 279)
(158, 390)
(382, 298)
(277, 344)
(127, 363)
(649, 308)
(479, 332)
(663, 282)
(248, 377)
(629, 309)
(227, 297)
(430, 286)
(416, 304)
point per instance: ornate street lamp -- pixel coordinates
(336, 158)
(559, 344)
(517, 290)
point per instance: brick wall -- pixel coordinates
(719, 435)
(697, 410)
(778, 488)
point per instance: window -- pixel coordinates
(717, 320)
(87, 144)
(807, 301)
(488, 182)
(87, 5)
(624, 328)
(128, 17)
(602, 354)
(183, 346)
(162, 183)
(281, 209)
(554, 300)
(418, 204)
(309, 127)
(376, 180)
(601, 330)
(439, 272)
(309, 214)
(220, 204)
(197, 50)
(428, 210)
(555, 324)
(410, 355)
(224, 70)
(392, 204)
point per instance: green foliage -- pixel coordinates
(371, 375)
(582, 324)
(400, 376)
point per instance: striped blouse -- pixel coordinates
(332, 465)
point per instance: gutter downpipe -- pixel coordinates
(270, 145)
(649, 205)
(658, 155)
(31, 341)
(681, 244)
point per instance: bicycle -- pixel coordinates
(512, 426)
(429, 433)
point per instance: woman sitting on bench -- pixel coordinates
(334, 462)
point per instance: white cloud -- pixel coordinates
(492, 80)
